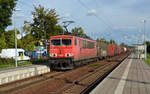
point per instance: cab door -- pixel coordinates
(77, 48)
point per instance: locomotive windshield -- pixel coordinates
(55, 42)
(61, 42)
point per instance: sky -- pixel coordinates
(120, 20)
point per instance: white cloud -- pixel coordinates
(92, 12)
(67, 15)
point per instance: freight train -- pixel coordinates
(67, 51)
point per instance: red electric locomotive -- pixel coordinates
(67, 51)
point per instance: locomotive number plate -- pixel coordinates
(61, 55)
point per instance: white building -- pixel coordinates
(140, 50)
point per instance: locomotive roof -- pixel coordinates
(65, 36)
(62, 36)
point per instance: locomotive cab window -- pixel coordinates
(66, 42)
(61, 42)
(55, 42)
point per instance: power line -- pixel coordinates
(102, 13)
(24, 3)
(99, 18)
(27, 4)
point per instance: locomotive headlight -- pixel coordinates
(53, 55)
(68, 55)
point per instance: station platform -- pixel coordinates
(14, 74)
(132, 76)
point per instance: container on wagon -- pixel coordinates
(111, 50)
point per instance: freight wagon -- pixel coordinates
(111, 50)
(102, 51)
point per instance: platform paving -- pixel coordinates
(132, 76)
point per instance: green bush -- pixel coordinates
(148, 59)
(6, 60)
(148, 46)
(7, 63)
(39, 61)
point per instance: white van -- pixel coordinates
(10, 53)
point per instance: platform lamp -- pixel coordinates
(15, 35)
(145, 47)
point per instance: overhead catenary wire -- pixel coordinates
(22, 3)
(27, 4)
(97, 16)
(102, 13)
(109, 27)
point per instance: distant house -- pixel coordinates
(140, 47)
(140, 50)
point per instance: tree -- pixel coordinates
(10, 39)
(102, 40)
(148, 46)
(123, 45)
(78, 31)
(6, 8)
(28, 42)
(44, 23)
(112, 42)
(26, 28)
(2, 42)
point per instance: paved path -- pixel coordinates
(132, 76)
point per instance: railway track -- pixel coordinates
(95, 83)
(28, 81)
(87, 83)
(77, 82)
(79, 79)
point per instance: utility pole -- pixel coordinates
(45, 35)
(145, 47)
(15, 36)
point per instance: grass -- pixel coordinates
(24, 63)
(2, 66)
(11, 65)
(94, 65)
(148, 59)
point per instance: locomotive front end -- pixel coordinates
(61, 48)
(61, 52)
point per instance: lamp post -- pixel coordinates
(15, 36)
(145, 51)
